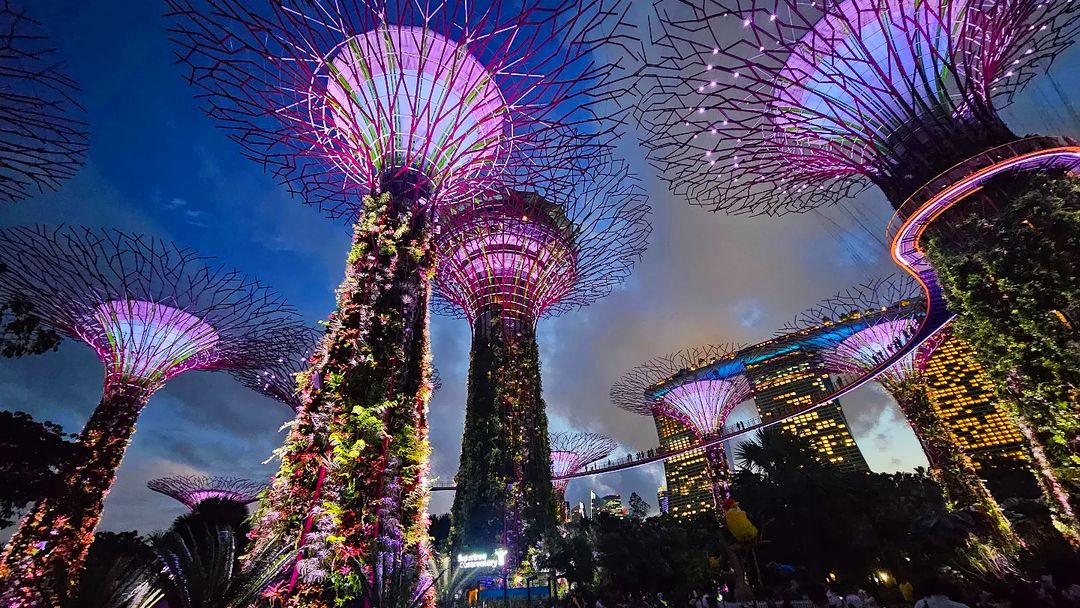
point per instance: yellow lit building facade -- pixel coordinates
(963, 395)
(688, 491)
(786, 380)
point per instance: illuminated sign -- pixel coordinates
(482, 560)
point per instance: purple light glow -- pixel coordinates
(364, 111)
(810, 102)
(704, 405)
(867, 348)
(701, 404)
(146, 342)
(572, 452)
(515, 255)
(343, 99)
(193, 489)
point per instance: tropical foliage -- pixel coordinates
(1007, 260)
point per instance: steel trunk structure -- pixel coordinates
(151, 311)
(386, 113)
(888, 312)
(505, 263)
(43, 139)
(193, 489)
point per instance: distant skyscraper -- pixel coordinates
(662, 499)
(610, 504)
(577, 513)
(686, 475)
(785, 379)
(964, 396)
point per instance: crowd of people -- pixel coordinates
(1043, 593)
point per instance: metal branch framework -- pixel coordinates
(524, 255)
(572, 452)
(888, 312)
(43, 139)
(150, 310)
(775, 106)
(278, 379)
(702, 405)
(193, 489)
(345, 98)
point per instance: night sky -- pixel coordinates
(157, 165)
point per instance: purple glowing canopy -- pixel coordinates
(340, 98)
(769, 106)
(277, 379)
(528, 254)
(572, 452)
(702, 405)
(149, 309)
(885, 314)
(193, 489)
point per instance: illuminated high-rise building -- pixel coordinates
(662, 499)
(686, 475)
(785, 379)
(965, 398)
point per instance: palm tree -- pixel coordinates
(202, 569)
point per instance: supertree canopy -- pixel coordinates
(43, 139)
(771, 106)
(279, 378)
(150, 310)
(193, 489)
(386, 113)
(504, 264)
(700, 404)
(884, 316)
(572, 452)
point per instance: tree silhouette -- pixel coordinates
(31, 456)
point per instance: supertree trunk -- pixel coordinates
(1007, 259)
(953, 470)
(720, 482)
(504, 495)
(365, 403)
(41, 563)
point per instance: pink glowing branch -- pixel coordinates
(572, 452)
(148, 309)
(343, 98)
(193, 489)
(771, 106)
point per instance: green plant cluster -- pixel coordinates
(504, 495)
(351, 482)
(1007, 260)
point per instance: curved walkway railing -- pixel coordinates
(905, 229)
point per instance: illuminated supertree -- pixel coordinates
(504, 264)
(775, 106)
(193, 489)
(151, 311)
(572, 452)
(884, 315)
(386, 113)
(43, 140)
(702, 405)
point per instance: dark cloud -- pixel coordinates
(154, 156)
